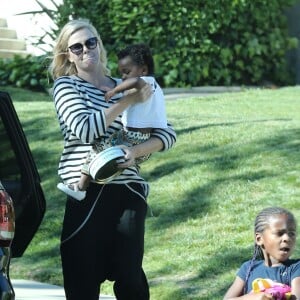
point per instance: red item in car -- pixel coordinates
(7, 218)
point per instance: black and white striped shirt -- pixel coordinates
(79, 106)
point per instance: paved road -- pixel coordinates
(32, 290)
(180, 93)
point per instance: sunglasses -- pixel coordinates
(77, 48)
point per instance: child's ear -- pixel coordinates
(258, 239)
(145, 70)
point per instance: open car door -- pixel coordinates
(19, 176)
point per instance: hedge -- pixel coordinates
(196, 42)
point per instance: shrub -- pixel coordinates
(198, 42)
(28, 72)
(194, 42)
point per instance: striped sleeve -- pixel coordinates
(166, 135)
(73, 111)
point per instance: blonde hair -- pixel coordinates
(60, 65)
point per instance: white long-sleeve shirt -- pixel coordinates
(148, 114)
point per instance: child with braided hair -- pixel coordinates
(270, 274)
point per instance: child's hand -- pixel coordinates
(278, 290)
(266, 296)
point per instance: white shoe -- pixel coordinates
(78, 195)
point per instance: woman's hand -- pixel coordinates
(151, 145)
(112, 112)
(140, 95)
(129, 157)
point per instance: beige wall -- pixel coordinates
(10, 45)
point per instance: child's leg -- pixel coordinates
(84, 182)
(78, 190)
(72, 190)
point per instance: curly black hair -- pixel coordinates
(140, 54)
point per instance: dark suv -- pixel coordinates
(20, 179)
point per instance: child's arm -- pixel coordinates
(295, 288)
(236, 292)
(129, 83)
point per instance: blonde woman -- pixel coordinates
(102, 235)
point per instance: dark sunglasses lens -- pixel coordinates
(76, 48)
(91, 43)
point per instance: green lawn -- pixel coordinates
(236, 154)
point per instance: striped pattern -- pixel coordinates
(79, 106)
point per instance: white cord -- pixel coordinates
(93, 206)
(134, 191)
(85, 220)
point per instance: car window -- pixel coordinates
(9, 167)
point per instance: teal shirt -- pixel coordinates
(284, 273)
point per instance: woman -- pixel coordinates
(103, 235)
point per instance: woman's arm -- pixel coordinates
(117, 108)
(161, 139)
(235, 290)
(78, 119)
(131, 153)
(166, 135)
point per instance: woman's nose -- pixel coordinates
(85, 48)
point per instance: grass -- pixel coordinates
(236, 154)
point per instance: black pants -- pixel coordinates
(103, 238)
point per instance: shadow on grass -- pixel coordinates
(197, 202)
(287, 144)
(194, 128)
(201, 286)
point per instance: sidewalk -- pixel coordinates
(180, 93)
(32, 290)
